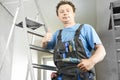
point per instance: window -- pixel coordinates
(47, 73)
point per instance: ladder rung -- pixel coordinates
(34, 33)
(117, 39)
(46, 67)
(40, 49)
(117, 16)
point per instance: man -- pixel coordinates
(90, 41)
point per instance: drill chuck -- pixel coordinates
(70, 60)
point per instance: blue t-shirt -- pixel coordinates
(88, 36)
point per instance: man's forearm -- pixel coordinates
(99, 54)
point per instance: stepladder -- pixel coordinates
(31, 29)
(30, 33)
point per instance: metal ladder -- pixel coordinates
(31, 26)
(115, 26)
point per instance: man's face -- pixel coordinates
(65, 13)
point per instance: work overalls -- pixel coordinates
(68, 70)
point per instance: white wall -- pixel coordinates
(19, 66)
(5, 25)
(86, 11)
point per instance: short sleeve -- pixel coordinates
(92, 37)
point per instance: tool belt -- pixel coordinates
(73, 74)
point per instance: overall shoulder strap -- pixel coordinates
(78, 43)
(59, 35)
(77, 33)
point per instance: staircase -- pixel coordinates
(115, 26)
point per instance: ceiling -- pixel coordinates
(44, 11)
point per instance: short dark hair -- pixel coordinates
(63, 3)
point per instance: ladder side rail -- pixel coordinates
(27, 43)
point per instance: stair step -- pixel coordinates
(117, 26)
(116, 10)
(118, 50)
(117, 31)
(116, 4)
(116, 16)
(117, 39)
(117, 22)
(117, 44)
(34, 47)
(118, 61)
